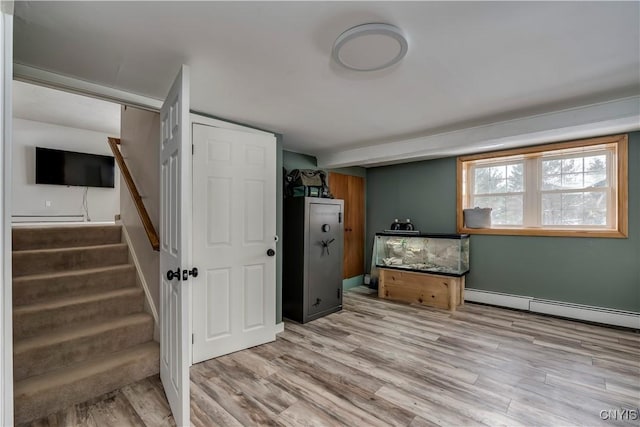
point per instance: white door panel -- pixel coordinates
(234, 222)
(175, 229)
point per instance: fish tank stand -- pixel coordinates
(433, 290)
(422, 268)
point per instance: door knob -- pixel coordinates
(173, 274)
(186, 273)
(271, 252)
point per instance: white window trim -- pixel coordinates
(617, 221)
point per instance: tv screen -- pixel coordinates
(70, 168)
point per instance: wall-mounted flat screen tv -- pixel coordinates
(70, 168)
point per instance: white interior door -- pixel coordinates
(234, 226)
(175, 230)
(6, 307)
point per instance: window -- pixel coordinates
(576, 188)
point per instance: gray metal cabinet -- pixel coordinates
(312, 241)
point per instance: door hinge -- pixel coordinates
(193, 149)
(193, 339)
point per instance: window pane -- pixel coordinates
(551, 182)
(595, 179)
(572, 165)
(499, 179)
(575, 173)
(491, 180)
(515, 178)
(551, 167)
(506, 210)
(580, 208)
(595, 163)
(572, 180)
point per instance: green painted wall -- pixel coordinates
(591, 271)
(293, 160)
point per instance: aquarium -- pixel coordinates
(430, 253)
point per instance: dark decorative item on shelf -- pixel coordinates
(307, 183)
(402, 227)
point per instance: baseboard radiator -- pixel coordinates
(608, 316)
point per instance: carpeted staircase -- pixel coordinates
(79, 329)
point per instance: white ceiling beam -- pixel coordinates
(40, 77)
(621, 115)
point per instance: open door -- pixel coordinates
(175, 230)
(6, 307)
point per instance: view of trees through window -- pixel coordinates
(571, 190)
(501, 188)
(574, 191)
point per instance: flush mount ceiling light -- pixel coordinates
(370, 47)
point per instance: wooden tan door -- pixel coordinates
(351, 189)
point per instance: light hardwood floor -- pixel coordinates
(383, 363)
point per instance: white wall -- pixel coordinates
(29, 198)
(139, 144)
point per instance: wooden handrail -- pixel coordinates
(152, 234)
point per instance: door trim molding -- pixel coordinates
(279, 327)
(28, 74)
(198, 119)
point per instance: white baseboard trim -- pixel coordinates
(279, 327)
(497, 298)
(607, 316)
(143, 282)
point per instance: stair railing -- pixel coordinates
(152, 234)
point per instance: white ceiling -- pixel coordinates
(268, 64)
(42, 104)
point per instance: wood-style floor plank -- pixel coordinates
(381, 363)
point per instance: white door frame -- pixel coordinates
(6, 306)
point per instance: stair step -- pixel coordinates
(36, 319)
(38, 396)
(26, 238)
(44, 287)
(39, 261)
(50, 351)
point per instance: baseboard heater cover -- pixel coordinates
(497, 298)
(607, 316)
